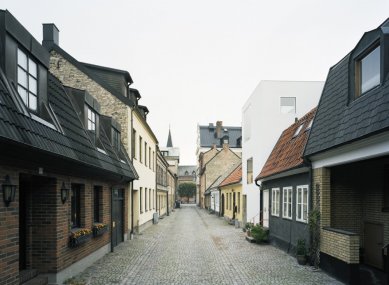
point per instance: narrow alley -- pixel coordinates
(193, 247)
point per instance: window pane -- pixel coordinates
(22, 77)
(370, 66)
(32, 68)
(23, 93)
(32, 104)
(32, 85)
(288, 105)
(22, 59)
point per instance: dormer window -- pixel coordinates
(368, 71)
(298, 130)
(91, 120)
(309, 125)
(116, 139)
(27, 80)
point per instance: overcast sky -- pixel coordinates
(198, 61)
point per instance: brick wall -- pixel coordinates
(48, 222)
(111, 106)
(341, 246)
(321, 180)
(9, 233)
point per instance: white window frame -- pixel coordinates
(301, 204)
(275, 202)
(30, 93)
(91, 125)
(287, 202)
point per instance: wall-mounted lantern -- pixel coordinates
(64, 193)
(9, 190)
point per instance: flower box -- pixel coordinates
(99, 229)
(79, 236)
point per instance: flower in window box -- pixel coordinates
(79, 236)
(99, 229)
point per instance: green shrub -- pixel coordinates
(259, 233)
(301, 248)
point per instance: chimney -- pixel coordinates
(225, 146)
(219, 125)
(213, 146)
(50, 35)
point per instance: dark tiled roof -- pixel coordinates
(183, 168)
(288, 151)
(116, 79)
(74, 145)
(101, 80)
(234, 177)
(340, 119)
(208, 136)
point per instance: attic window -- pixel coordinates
(116, 139)
(309, 125)
(91, 120)
(288, 105)
(298, 130)
(27, 80)
(368, 72)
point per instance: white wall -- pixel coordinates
(263, 123)
(147, 174)
(215, 198)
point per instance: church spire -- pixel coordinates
(169, 139)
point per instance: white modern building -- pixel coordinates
(271, 108)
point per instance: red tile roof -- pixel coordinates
(288, 151)
(234, 177)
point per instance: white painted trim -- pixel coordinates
(360, 150)
(273, 202)
(302, 213)
(287, 189)
(286, 173)
(43, 122)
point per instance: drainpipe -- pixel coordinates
(308, 163)
(111, 219)
(132, 182)
(260, 204)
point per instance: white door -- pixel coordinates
(265, 207)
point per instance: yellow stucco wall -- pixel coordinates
(227, 193)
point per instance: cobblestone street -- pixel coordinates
(193, 247)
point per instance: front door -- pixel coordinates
(117, 216)
(374, 241)
(265, 207)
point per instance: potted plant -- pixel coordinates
(79, 236)
(301, 252)
(247, 227)
(259, 233)
(99, 229)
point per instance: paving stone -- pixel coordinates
(192, 247)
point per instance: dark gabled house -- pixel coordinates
(348, 147)
(61, 169)
(286, 187)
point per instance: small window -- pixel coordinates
(27, 80)
(91, 120)
(133, 146)
(116, 139)
(288, 105)
(250, 171)
(368, 71)
(309, 125)
(302, 203)
(150, 157)
(140, 149)
(287, 202)
(275, 202)
(150, 196)
(145, 153)
(146, 209)
(140, 200)
(298, 130)
(75, 201)
(97, 207)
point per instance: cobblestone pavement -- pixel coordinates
(193, 247)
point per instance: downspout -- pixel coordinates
(260, 204)
(112, 220)
(132, 182)
(308, 163)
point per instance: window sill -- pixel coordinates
(302, 221)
